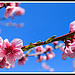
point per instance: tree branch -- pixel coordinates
(60, 38)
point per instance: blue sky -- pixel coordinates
(41, 21)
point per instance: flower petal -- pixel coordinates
(17, 43)
(1, 5)
(10, 59)
(2, 53)
(10, 10)
(5, 43)
(1, 41)
(18, 53)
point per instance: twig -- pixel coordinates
(60, 38)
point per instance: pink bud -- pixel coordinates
(49, 48)
(55, 42)
(39, 49)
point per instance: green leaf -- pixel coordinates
(51, 38)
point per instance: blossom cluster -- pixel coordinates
(23, 60)
(42, 53)
(9, 52)
(69, 49)
(12, 9)
(48, 55)
(47, 51)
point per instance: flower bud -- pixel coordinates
(55, 42)
(49, 48)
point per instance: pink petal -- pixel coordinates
(6, 43)
(1, 41)
(72, 55)
(55, 43)
(10, 10)
(7, 66)
(49, 48)
(2, 53)
(1, 5)
(18, 53)
(10, 59)
(17, 43)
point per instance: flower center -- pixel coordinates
(9, 50)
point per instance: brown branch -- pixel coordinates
(60, 38)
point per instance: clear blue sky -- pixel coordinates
(41, 21)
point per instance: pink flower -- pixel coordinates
(11, 51)
(22, 60)
(19, 11)
(50, 55)
(69, 51)
(72, 26)
(55, 42)
(39, 49)
(49, 48)
(1, 5)
(10, 10)
(3, 63)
